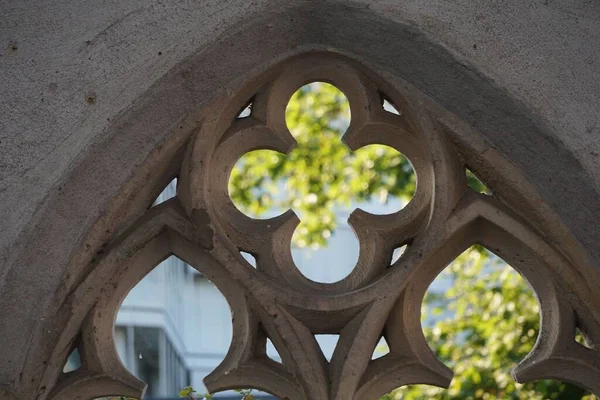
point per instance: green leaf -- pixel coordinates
(186, 391)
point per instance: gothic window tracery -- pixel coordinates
(274, 301)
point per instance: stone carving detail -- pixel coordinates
(274, 300)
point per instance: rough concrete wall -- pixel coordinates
(67, 68)
(71, 72)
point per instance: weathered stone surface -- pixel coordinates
(94, 97)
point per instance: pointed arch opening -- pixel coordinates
(481, 318)
(173, 329)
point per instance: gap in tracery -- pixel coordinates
(246, 111)
(249, 258)
(388, 105)
(173, 328)
(327, 343)
(381, 349)
(476, 184)
(168, 192)
(73, 362)
(580, 338)
(481, 318)
(322, 181)
(398, 253)
(272, 352)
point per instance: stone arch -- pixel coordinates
(106, 188)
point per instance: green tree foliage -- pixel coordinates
(320, 174)
(481, 327)
(190, 393)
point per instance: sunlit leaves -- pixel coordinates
(491, 325)
(475, 183)
(246, 394)
(190, 393)
(321, 174)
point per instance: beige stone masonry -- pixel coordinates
(275, 301)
